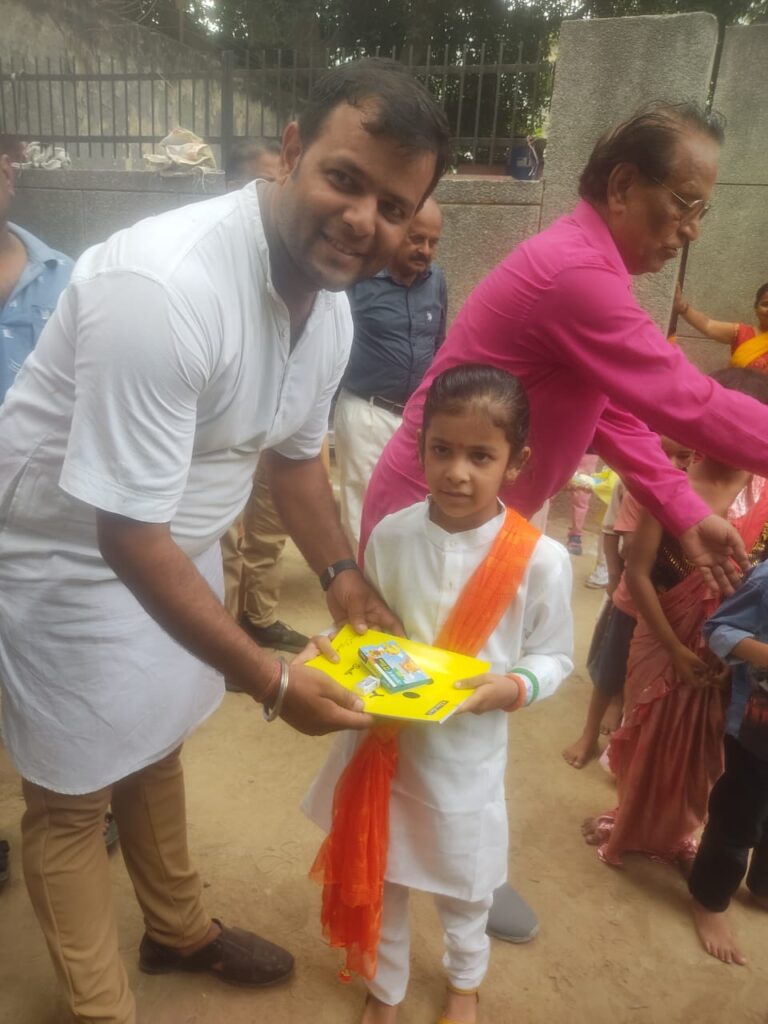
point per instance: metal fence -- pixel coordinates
(491, 95)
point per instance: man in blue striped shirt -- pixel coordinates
(400, 319)
(32, 276)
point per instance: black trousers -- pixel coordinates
(738, 822)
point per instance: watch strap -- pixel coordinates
(328, 575)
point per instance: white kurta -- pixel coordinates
(165, 370)
(448, 815)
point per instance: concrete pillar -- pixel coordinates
(730, 261)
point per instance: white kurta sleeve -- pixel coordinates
(141, 362)
(547, 648)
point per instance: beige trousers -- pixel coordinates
(361, 433)
(66, 868)
(251, 550)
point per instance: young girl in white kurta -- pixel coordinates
(448, 817)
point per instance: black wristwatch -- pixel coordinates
(327, 576)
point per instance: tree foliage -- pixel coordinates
(459, 33)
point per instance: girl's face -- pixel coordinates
(467, 459)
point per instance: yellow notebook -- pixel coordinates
(433, 702)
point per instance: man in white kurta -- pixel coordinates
(185, 346)
(448, 813)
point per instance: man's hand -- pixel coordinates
(717, 550)
(351, 599)
(315, 704)
(492, 693)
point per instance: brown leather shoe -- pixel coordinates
(235, 956)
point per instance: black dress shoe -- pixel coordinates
(278, 635)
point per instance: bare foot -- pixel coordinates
(461, 1007)
(716, 936)
(376, 1012)
(612, 717)
(594, 830)
(581, 752)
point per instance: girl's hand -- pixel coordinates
(320, 644)
(492, 693)
(689, 668)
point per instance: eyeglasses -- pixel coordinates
(696, 209)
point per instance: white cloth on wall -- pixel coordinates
(165, 370)
(448, 815)
(361, 431)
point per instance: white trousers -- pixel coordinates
(361, 432)
(467, 947)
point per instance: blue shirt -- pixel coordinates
(29, 305)
(744, 616)
(398, 329)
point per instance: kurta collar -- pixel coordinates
(480, 537)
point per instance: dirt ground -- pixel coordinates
(615, 946)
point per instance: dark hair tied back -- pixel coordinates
(454, 390)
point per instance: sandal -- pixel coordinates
(235, 956)
(459, 992)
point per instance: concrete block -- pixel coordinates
(107, 212)
(730, 261)
(480, 190)
(54, 215)
(475, 239)
(740, 94)
(110, 180)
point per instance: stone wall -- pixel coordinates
(485, 217)
(72, 210)
(730, 261)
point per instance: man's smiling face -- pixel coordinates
(349, 198)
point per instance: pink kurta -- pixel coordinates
(559, 313)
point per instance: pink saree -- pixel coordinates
(667, 754)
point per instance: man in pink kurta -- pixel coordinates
(559, 313)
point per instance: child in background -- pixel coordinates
(456, 559)
(580, 498)
(738, 804)
(667, 754)
(609, 650)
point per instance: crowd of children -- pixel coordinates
(424, 807)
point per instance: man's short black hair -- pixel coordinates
(403, 110)
(249, 149)
(648, 140)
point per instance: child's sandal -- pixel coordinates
(459, 992)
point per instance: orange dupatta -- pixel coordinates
(352, 860)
